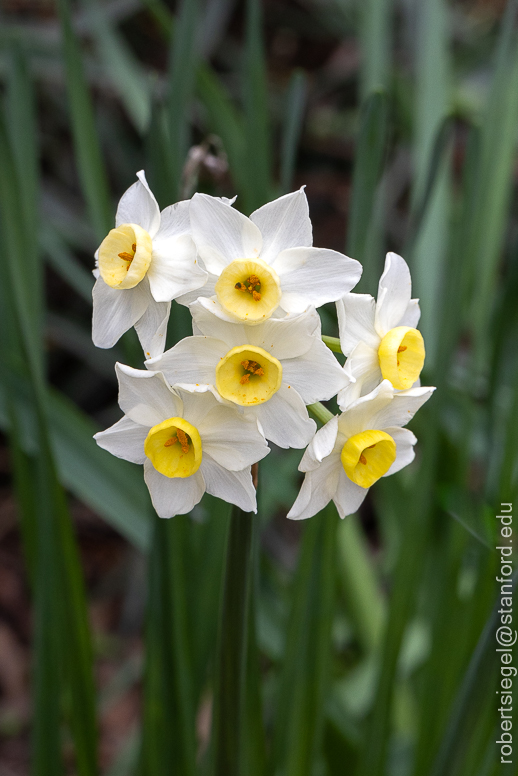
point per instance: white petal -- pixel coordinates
(207, 290)
(412, 314)
(174, 220)
(192, 361)
(317, 490)
(138, 206)
(206, 323)
(286, 338)
(213, 306)
(394, 292)
(284, 223)
(402, 408)
(221, 233)
(173, 495)
(363, 370)
(405, 453)
(174, 269)
(362, 415)
(285, 420)
(356, 314)
(314, 276)
(152, 328)
(316, 374)
(197, 403)
(232, 439)
(116, 310)
(320, 447)
(125, 439)
(289, 337)
(145, 396)
(348, 496)
(234, 487)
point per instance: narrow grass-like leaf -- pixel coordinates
(359, 583)
(168, 722)
(228, 729)
(62, 260)
(255, 100)
(181, 86)
(302, 686)
(376, 39)
(63, 652)
(365, 222)
(494, 179)
(474, 692)
(294, 117)
(372, 758)
(121, 66)
(86, 140)
(107, 484)
(431, 105)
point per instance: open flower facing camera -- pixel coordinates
(353, 450)
(380, 337)
(270, 370)
(145, 262)
(265, 265)
(188, 442)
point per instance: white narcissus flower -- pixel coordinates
(380, 337)
(356, 448)
(270, 371)
(265, 265)
(188, 442)
(145, 262)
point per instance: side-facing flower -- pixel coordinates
(270, 371)
(356, 448)
(145, 262)
(380, 337)
(265, 265)
(188, 442)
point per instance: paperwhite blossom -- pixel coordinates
(188, 442)
(145, 262)
(362, 444)
(270, 371)
(380, 337)
(265, 265)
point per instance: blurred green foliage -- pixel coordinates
(374, 656)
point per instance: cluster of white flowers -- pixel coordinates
(201, 413)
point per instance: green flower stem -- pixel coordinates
(333, 343)
(320, 412)
(229, 699)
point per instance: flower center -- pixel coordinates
(401, 354)
(249, 289)
(248, 375)
(368, 456)
(125, 256)
(174, 448)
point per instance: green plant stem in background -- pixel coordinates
(320, 412)
(229, 695)
(295, 103)
(366, 220)
(168, 725)
(431, 105)
(89, 157)
(333, 343)
(376, 44)
(305, 672)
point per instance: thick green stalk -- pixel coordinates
(229, 698)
